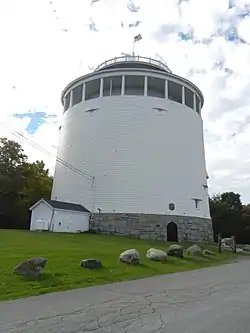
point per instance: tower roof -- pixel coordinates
(132, 61)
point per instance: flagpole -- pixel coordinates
(136, 39)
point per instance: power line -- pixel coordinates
(42, 149)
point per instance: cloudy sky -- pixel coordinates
(47, 43)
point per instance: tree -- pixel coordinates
(246, 223)
(12, 161)
(38, 182)
(226, 213)
(232, 200)
(21, 185)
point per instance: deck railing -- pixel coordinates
(132, 58)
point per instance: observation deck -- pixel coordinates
(133, 62)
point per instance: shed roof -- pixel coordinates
(63, 205)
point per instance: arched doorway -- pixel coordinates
(172, 232)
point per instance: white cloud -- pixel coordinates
(47, 43)
(244, 28)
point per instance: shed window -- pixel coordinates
(198, 107)
(92, 89)
(112, 86)
(134, 85)
(174, 91)
(77, 95)
(156, 87)
(66, 101)
(189, 98)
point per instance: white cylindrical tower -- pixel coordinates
(131, 150)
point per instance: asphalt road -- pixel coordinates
(215, 300)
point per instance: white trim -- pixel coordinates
(83, 91)
(123, 85)
(38, 203)
(183, 94)
(145, 85)
(66, 210)
(166, 89)
(138, 71)
(101, 87)
(71, 98)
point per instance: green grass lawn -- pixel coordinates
(65, 251)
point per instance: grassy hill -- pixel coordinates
(65, 251)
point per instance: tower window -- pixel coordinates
(92, 89)
(77, 95)
(198, 107)
(156, 87)
(189, 98)
(174, 92)
(134, 85)
(197, 203)
(66, 101)
(171, 206)
(112, 86)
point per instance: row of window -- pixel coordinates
(134, 85)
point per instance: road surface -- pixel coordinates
(212, 300)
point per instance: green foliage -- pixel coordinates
(38, 182)
(21, 184)
(229, 216)
(64, 253)
(12, 161)
(231, 200)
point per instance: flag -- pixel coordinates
(137, 38)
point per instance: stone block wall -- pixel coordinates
(152, 226)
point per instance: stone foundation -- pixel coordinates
(152, 226)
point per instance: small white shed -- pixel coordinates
(59, 216)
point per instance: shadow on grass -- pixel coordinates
(153, 262)
(47, 279)
(199, 258)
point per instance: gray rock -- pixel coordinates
(194, 250)
(156, 255)
(31, 268)
(246, 248)
(208, 253)
(41, 262)
(130, 256)
(175, 250)
(91, 264)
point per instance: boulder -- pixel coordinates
(31, 268)
(246, 248)
(41, 262)
(208, 253)
(91, 264)
(130, 256)
(194, 250)
(239, 250)
(175, 250)
(156, 255)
